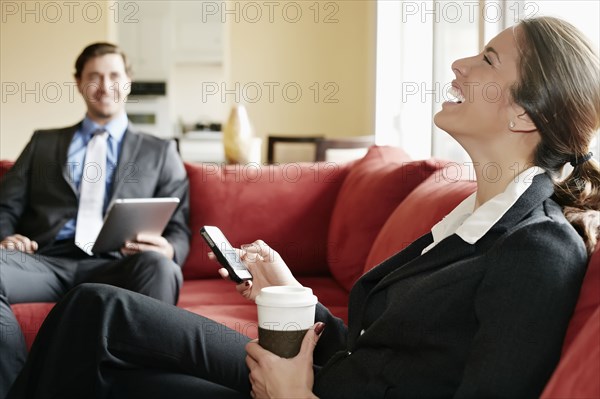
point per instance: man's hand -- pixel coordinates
(20, 243)
(274, 377)
(148, 242)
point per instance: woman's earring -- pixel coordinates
(511, 125)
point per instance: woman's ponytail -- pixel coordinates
(559, 88)
(579, 194)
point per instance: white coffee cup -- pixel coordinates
(284, 316)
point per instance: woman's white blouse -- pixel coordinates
(471, 225)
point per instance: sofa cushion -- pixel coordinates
(30, 317)
(288, 206)
(419, 212)
(5, 167)
(222, 292)
(577, 374)
(218, 300)
(374, 187)
(589, 299)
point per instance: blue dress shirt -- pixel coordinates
(76, 159)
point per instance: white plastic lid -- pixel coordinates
(286, 297)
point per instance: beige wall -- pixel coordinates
(335, 59)
(38, 50)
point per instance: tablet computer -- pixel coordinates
(128, 217)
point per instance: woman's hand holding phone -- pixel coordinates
(267, 269)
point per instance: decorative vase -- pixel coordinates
(237, 136)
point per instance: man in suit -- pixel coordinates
(46, 234)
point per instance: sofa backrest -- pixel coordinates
(5, 167)
(288, 206)
(577, 374)
(589, 299)
(374, 187)
(421, 210)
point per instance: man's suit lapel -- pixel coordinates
(64, 141)
(127, 168)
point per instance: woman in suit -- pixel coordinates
(478, 307)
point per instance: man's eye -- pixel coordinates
(486, 59)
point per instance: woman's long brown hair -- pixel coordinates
(559, 88)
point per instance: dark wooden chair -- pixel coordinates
(342, 143)
(322, 144)
(272, 140)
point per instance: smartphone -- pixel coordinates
(226, 255)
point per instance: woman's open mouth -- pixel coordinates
(455, 95)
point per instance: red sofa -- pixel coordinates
(331, 223)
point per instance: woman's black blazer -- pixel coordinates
(475, 321)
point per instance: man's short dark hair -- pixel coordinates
(97, 50)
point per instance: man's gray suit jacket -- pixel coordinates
(38, 196)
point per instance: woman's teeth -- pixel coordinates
(455, 95)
